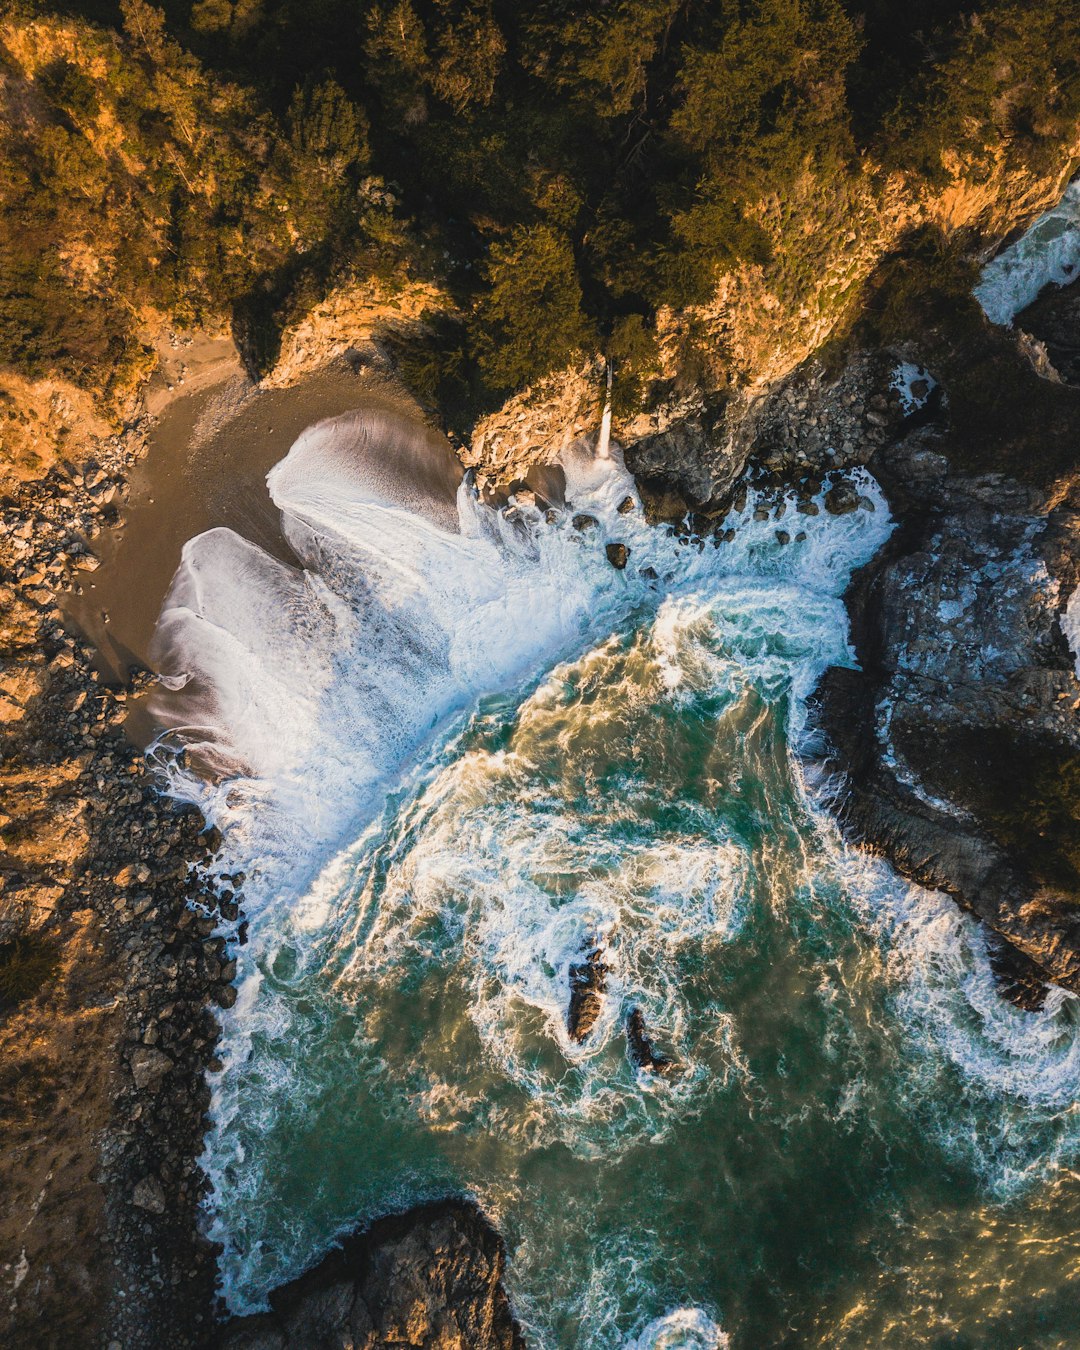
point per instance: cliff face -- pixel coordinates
(959, 737)
(717, 361)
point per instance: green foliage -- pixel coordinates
(530, 321)
(1010, 79)
(600, 56)
(27, 965)
(634, 358)
(567, 170)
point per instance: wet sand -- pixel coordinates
(206, 465)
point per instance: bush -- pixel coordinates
(27, 965)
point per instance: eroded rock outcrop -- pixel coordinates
(959, 736)
(429, 1279)
(1053, 321)
(643, 1051)
(588, 984)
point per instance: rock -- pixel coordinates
(688, 459)
(782, 537)
(841, 499)
(1019, 979)
(225, 995)
(588, 983)
(662, 503)
(148, 1067)
(625, 506)
(429, 1279)
(617, 555)
(957, 735)
(149, 1195)
(640, 1044)
(585, 523)
(1053, 323)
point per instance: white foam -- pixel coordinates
(681, 1329)
(904, 378)
(320, 687)
(1048, 252)
(1070, 626)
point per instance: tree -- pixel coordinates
(530, 322)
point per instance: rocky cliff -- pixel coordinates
(428, 1279)
(958, 738)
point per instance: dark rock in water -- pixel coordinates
(841, 500)
(588, 983)
(1019, 979)
(1053, 320)
(583, 523)
(430, 1278)
(663, 504)
(640, 1044)
(782, 537)
(958, 734)
(617, 555)
(625, 506)
(649, 573)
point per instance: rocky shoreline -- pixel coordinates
(958, 738)
(430, 1278)
(966, 680)
(112, 935)
(106, 1046)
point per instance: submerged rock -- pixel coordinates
(841, 499)
(588, 984)
(640, 1044)
(617, 555)
(429, 1279)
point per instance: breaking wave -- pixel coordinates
(1048, 252)
(452, 749)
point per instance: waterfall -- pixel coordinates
(603, 444)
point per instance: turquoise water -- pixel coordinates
(861, 1144)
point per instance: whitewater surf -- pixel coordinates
(452, 749)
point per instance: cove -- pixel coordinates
(452, 749)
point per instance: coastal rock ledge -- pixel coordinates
(429, 1279)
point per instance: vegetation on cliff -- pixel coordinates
(570, 172)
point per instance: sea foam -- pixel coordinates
(451, 748)
(1048, 252)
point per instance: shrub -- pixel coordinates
(27, 965)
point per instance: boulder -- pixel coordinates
(429, 1279)
(149, 1195)
(588, 984)
(617, 555)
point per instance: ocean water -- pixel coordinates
(450, 758)
(1049, 252)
